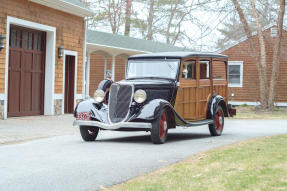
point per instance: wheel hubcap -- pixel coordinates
(162, 126)
(219, 120)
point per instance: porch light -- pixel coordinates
(60, 51)
(2, 38)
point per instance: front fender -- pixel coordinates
(99, 112)
(150, 111)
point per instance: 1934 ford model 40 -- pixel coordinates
(161, 91)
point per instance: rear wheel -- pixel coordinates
(89, 133)
(160, 128)
(218, 123)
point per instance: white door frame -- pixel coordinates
(49, 62)
(70, 53)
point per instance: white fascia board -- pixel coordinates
(114, 47)
(65, 7)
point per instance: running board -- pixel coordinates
(198, 123)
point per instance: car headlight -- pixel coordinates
(99, 96)
(140, 96)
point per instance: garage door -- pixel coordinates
(26, 72)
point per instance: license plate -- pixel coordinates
(83, 116)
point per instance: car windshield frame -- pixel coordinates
(147, 61)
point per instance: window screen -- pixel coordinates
(235, 73)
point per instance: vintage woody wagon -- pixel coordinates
(161, 91)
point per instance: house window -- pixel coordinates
(235, 73)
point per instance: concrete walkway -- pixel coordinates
(21, 129)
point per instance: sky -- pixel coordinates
(204, 39)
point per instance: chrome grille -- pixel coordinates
(119, 101)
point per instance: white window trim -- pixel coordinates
(236, 63)
(49, 62)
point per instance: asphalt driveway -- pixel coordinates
(68, 163)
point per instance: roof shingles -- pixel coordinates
(120, 41)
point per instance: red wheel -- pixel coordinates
(219, 120)
(160, 128)
(217, 127)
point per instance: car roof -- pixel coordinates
(180, 55)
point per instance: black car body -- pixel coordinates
(121, 105)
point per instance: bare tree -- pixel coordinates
(128, 17)
(261, 74)
(276, 55)
(266, 99)
(231, 27)
(262, 63)
(150, 20)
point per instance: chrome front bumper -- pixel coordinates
(113, 126)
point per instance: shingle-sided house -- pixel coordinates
(49, 61)
(42, 60)
(243, 75)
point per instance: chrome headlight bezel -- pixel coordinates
(140, 96)
(99, 96)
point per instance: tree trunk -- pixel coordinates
(276, 56)
(262, 85)
(128, 17)
(172, 13)
(262, 56)
(150, 21)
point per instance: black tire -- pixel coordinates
(160, 128)
(216, 127)
(89, 133)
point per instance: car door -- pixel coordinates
(186, 100)
(204, 87)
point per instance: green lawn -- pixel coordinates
(259, 164)
(251, 112)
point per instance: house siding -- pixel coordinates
(97, 70)
(69, 33)
(250, 90)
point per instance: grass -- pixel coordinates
(259, 164)
(251, 112)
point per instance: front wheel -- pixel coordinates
(160, 128)
(89, 133)
(218, 123)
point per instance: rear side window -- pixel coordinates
(204, 69)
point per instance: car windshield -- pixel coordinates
(152, 69)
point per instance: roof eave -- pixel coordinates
(120, 49)
(65, 7)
